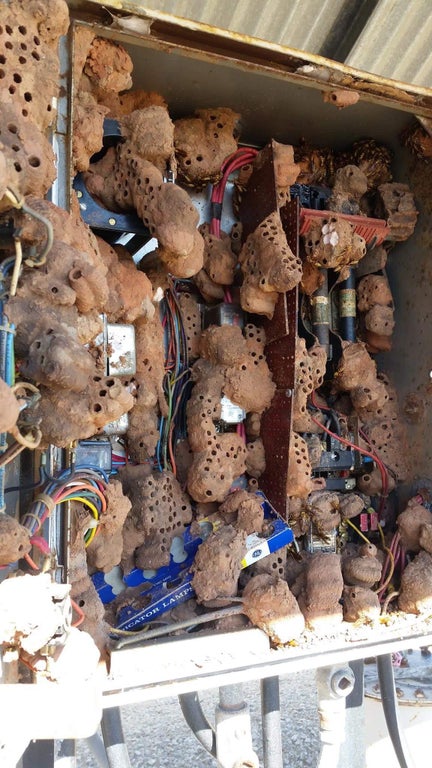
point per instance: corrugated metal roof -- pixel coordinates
(392, 38)
(299, 24)
(397, 42)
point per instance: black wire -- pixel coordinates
(336, 422)
(390, 707)
(30, 487)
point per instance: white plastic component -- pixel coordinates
(230, 413)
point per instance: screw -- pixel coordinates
(79, 194)
(111, 221)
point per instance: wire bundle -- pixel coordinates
(176, 381)
(371, 454)
(394, 553)
(86, 486)
(233, 162)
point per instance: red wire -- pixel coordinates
(80, 613)
(31, 562)
(344, 441)
(377, 459)
(40, 544)
(355, 447)
(68, 491)
(232, 163)
(395, 550)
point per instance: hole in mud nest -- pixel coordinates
(22, 60)
(15, 147)
(17, 167)
(34, 161)
(81, 603)
(109, 382)
(12, 89)
(199, 158)
(22, 29)
(208, 493)
(24, 113)
(97, 408)
(17, 78)
(36, 40)
(102, 393)
(28, 96)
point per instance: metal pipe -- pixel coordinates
(113, 738)
(271, 722)
(390, 707)
(193, 714)
(233, 730)
(96, 746)
(65, 754)
(334, 684)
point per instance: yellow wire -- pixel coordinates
(385, 547)
(357, 530)
(91, 536)
(384, 586)
(91, 506)
(381, 532)
(391, 557)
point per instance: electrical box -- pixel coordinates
(178, 418)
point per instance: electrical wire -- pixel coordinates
(391, 552)
(388, 600)
(136, 637)
(31, 562)
(389, 562)
(172, 427)
(234, 162)
(20, 203)
(357, 530)
(86, 487)
(350, 444)
(242, 156)
(81, 614)
(30, 487)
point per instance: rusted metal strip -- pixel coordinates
(257, 203)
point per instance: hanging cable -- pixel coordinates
(390, 707)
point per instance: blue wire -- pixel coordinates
(76, 468)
